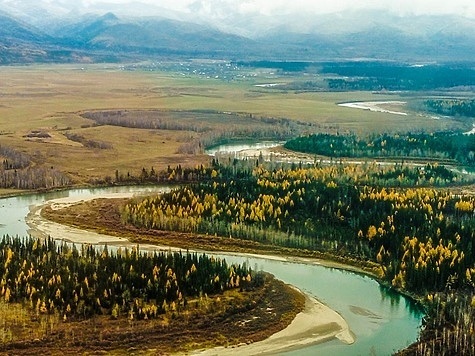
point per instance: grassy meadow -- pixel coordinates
(49, 99)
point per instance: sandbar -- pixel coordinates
(317, 323)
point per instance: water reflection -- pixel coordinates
(394, 298)
(390, 295)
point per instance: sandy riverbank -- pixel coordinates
(316, 324)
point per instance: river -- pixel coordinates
(242, 147)
(382, 321)
(376, 106)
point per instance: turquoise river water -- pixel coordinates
(382, 320)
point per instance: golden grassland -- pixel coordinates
(49, 98)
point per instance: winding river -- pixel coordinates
(382, 321)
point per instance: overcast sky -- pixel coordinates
(280, 7)
(224, 8)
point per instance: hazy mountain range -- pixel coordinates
(45, 31)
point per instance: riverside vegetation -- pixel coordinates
(453, 147)
(104, 300)
(419, 238)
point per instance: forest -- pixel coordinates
(421, 237)
(389, 76)
(456, 147)
(330, 208)
(376, 76)
(79, 282)
(451, 107)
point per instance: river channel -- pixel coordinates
(382, 320)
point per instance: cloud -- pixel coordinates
(273, 10)
(282, 7)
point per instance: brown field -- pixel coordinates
(49, 99)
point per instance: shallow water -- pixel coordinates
(383, 321)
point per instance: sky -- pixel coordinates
(219, 9)
(282, 7)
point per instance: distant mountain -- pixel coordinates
(379, 36)
(351, 22)
(20, 42)
(108, 38)
(46, 14)
(68, 37)
(84, 31)
(15, 32)
(149, 36)
(377, 43)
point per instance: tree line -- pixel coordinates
(88, 143)
(36, 177)
(441, 146)
(19, 172)
(211, 127)
(13, 159)
(452, 107)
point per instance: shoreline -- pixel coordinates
(95, 237)
(317, 323)
(303, 331)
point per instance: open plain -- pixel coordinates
(41, 108)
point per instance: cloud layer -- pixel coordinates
(223, 8)
(281, 7)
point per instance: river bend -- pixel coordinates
(382, 320)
